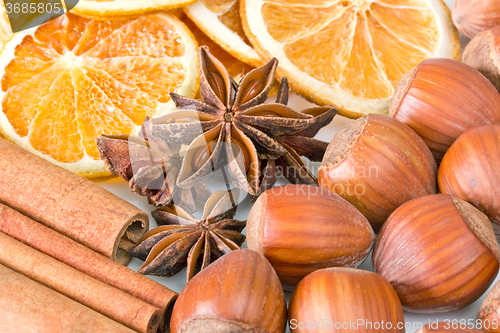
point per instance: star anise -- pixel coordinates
(232, 129)
(297, 144)
(151, 168)
(180, 240)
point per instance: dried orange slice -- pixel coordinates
(220, 20)
(350, 53)
(108, 8)
(236, 68)
(73, 78)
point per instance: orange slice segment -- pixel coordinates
(350, 53)
(74, 78)
(46, 138)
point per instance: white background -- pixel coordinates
(176, 283)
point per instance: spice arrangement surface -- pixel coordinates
(234, 166)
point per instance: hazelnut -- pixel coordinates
(482, 53)
(469, 171)
(302, 228)
(472, 16)
(378, 163)
(438, 252)
(441, 98)
(336, 296)
(239, 292)
(489, 314)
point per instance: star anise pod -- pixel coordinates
(180, 240)
(297, 144)
(232, 129)
(151, 168)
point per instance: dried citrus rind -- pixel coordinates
(107, 8)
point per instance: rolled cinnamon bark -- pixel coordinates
(69, 204)
(66, 250)
(111, 302)
(27, 306)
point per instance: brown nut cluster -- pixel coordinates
(239, 292)
(435, 253)
(420, 251)
(441, 98)
(377, 164)
(303, 228)
(345, 295)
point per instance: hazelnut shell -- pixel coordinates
(344, 295)
(238, 293)
(441, 98)
(482, 53)
(378, 163)
(303, 228)
(438, 252)
(469, 171)
(473, 16)
(489, 313)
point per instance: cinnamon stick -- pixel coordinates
(111, 302)
(27, 306)
(69, 204)
(85, 260)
